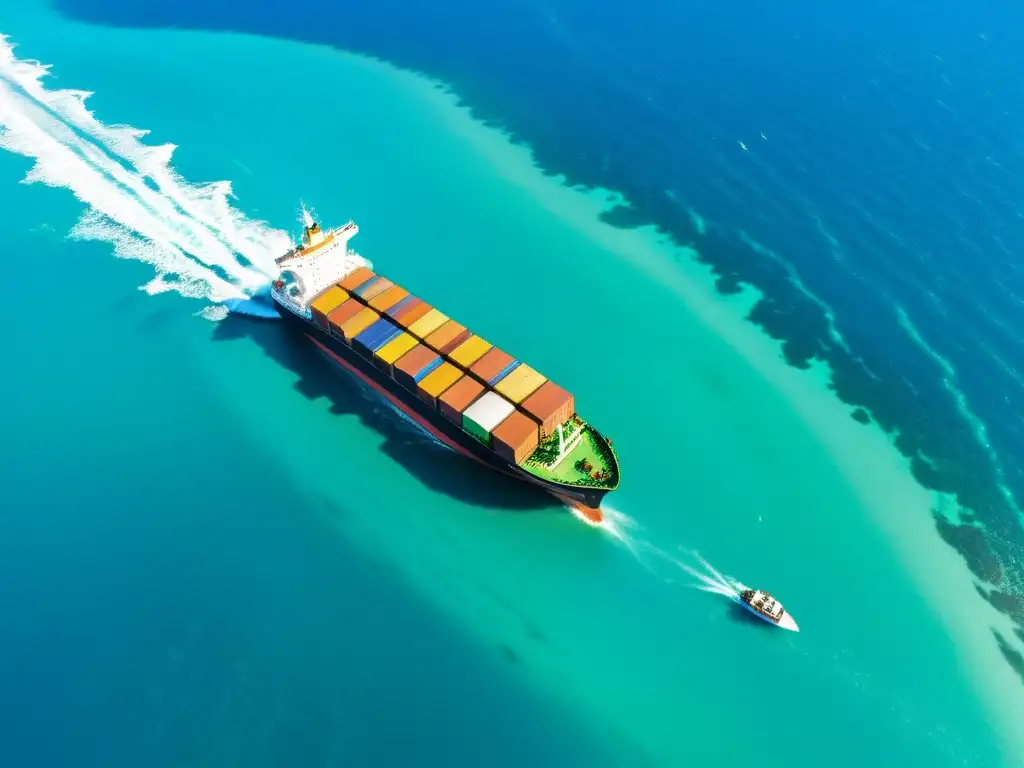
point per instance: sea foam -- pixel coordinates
(198, 243)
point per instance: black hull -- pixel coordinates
(433, 421)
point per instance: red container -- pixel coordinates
(515, 438)
(491, 364)
(408, 367)
(459, 397)
(411, 314)
(336, 318)
(549, 406)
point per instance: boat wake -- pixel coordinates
(698, 573)
(199, 245)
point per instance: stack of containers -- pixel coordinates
(410, 313)
(358, 323)
(493, 366)
(427, 323)
(436, 382)
(385, 357)
(519, 384)
(339, 316)
(469, 351)
(447, 337)
(415, 365)
(327, 301)
(549, 406)
(373, 287)
(379, 333)
(403, 305)
(516, 438)
(354, 279)
(389, 298)
(485, 414)
(458, 397)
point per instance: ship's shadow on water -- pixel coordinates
(437, 468)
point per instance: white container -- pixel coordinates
(486, 414)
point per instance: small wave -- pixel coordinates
(949, 381)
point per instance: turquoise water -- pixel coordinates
(221, 551)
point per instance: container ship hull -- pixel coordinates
(585, 500)
(467, 393)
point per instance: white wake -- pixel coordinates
(199, 245)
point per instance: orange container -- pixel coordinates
(515, 438)
(444, 336)
(388, 298)
(353, 280)
(358, 323)
(437, 381)
(342, 314)
(459, 397)
(328, 300)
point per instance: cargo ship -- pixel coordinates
(465, 392)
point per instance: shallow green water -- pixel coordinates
(220, 450)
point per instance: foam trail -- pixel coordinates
(198, 244)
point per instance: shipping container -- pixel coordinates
(520, 384)
(549, 406)
(458, 397)
(411, 314)
(375, 336)
(515, 438)
(358, 323)
(469, 351)
(437, 382)
(353, 280)
(493, 365)
(327, 301)
(414, 365)
(447, 337)
(367, 291)
(404, 304)
(345, 312)
(485, 414)
(389, 298)
(386, 356)
(427, 324)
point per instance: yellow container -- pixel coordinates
(395, 348)
(469, 351)
(438, 380)
(358, 323)
(429, 323)
(329, 300)
(520, 384)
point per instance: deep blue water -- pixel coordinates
(888, 179)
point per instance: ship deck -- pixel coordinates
(591, 450)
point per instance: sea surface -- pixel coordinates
(773, 251)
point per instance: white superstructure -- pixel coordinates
(320, 260)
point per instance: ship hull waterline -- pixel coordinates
(585, 501)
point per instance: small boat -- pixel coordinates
(765, 606)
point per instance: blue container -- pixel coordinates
(375, 336)
(503, 373)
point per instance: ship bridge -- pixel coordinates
(320, 260)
